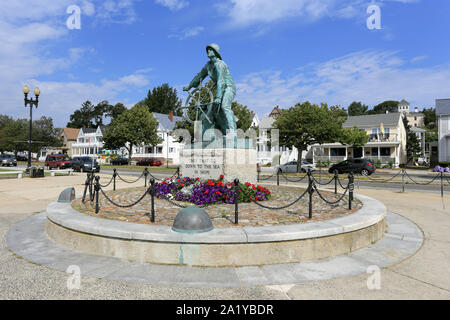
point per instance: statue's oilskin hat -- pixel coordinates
(216, 48)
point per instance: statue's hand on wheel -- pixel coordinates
(218, 101)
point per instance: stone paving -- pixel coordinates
(222, 215)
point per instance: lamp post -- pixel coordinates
(32, 103)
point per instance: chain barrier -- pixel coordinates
(125, 206)
(106, 185)
(278, 208)
(174, 203)
(342, 186)
(286, 177)
(384, 181)
(321, 183)
(177, 173)
(422, 184)
(142, 174)
(267, 178)
(331, 202)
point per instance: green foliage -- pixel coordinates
(357, 109)
(306, 124)
(90, 116)
(354, 137)
(390, 106)
(431, 136)
(243, 114)
(413, 148)
(14, 134)
(444, 164)
(162, 99)
(429, 118)
(378, 164)
(133, 127)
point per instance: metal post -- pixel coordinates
(152, 195)
(145, 176)
(86, 186)
(442, 184)
(236, 201)
(278, 178)
(97, 190)
(351, 187)
(114, 178)
(336, 177)
(403, 180)
(310, 191)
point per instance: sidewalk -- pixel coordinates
(422, 276)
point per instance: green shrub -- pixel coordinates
(378, 164)
(444, 164)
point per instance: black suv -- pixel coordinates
(85, 164)
(362, 166)
(120, 161)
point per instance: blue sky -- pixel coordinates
(279, 52)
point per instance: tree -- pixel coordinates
(354, 137)
(82, 118)
(306, 124)
(133, 127)
(163, 99)
(115, 110)
(413, 148)
(429, 118)
(386, 106)
(357, 109)
(243, 115)
(45, 134)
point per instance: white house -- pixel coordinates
(89, 142)
(169, 149)
(443, 118)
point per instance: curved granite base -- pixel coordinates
(248, 246)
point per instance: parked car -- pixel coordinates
(8, 160)
(21, 158)
(292, 167)
(149, 162)
(85, 164)
(120, 161)
(57, 161)
(363, 166)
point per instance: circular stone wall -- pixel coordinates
(221, 247)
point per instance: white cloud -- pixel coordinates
(27, 29)
(367, 76)
(188, 33)
(173, 5)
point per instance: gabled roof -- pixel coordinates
(416, 129)
(70, 133)
(442, 106)
(266, 122)
(88, 130)
(164, 122)
(373, 120)
(403, 102)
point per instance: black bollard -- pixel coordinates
(86, 186)
(236, 201)
(351, 187)
(442, 184)
(336, 177)
(114, 178)
(310, 191)
(97, 190)
(152, 196)
(278, 177)
(145, 177)
(403, 180)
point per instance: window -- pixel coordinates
(374, 152)
(385, 152)
(171, 150)
(159, 150)
(337, 152)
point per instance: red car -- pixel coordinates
(149, 162)
(57, 161)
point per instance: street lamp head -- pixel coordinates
(37, 92)
(25, 89)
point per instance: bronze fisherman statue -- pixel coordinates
(219, 114)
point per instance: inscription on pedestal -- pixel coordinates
(202, 163)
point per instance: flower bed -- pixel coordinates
(207, 192)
